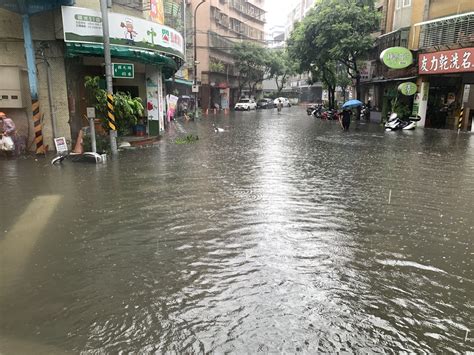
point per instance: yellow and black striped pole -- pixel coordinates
(110, 112)
(37, 127)
(461, 116)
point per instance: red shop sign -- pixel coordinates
(455, 61)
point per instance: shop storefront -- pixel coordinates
(447, 88)
(150, 52)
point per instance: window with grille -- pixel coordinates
(447, 31)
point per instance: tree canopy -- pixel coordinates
(334, 31)
(251, 61)
(280, 67)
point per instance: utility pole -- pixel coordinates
(108, 72)
(195, 62)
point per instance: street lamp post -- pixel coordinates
(195, 63)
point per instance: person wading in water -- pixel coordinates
(346, 119)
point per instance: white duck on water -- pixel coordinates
(218, 129)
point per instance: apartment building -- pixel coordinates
(440, 34)
(297, 86)
(219, 24)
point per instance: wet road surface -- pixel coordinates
(281, 234)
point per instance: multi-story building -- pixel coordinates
(298, 86)
(49, 47)
(440, 34)
(219, 24)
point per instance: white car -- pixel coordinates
(284, 101)
(245, 104)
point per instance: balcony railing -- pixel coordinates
(447, 31)
(219, 43)
(397, 38)
(249, 10)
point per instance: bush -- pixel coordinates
(127, 110)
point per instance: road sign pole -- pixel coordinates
(108, 67)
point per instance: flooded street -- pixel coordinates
(281, 234)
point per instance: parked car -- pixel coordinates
(284, 101)
(265, 103)
(245, 104)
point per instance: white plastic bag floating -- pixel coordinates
(6, 143)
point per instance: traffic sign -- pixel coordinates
(123, 70)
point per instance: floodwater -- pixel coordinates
(281, 234)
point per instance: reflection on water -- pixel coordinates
(276, 236)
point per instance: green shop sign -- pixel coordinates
(397, 57)
(123, 70)
(407, 88)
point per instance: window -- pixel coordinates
(406, 3)
(399, 4)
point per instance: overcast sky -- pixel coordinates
(277, 11)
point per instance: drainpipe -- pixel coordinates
(50, 93)
(426, 10)
(33, 81)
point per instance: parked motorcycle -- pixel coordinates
(365, 113)
(316, 111)
(394, 123)
(330, 115)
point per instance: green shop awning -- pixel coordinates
(180, 81)
(169, 65)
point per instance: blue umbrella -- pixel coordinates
(352, 104)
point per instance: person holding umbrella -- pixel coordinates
(347, 113)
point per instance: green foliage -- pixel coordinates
(217, 67)
(187, 140)
(334, 31)
(280, 67)
(251, 61)
(127, 110)
(402, 109)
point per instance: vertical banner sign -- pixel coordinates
(157, 13)
(154, 100)
(110, 112)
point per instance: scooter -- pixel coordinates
(330, 115)
(394, 123)
(365, 113)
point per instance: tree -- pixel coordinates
(280, 67)
(317, 62)
(251, 61)
(336, 30)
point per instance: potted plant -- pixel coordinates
(128, 110)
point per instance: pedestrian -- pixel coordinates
(279, 105)
(8, 126)
(7, 134)
(346, 119)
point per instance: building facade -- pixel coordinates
(62, 44)
(440, 34)
(298, 86)
(219, 24)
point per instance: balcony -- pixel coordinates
(250, 11)
(397, 38)
(446, 31)
(219, 43)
